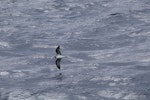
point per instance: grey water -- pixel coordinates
(107, 44)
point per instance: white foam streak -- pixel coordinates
(4, 44)
(4, 73)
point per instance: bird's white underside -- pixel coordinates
(59, 56)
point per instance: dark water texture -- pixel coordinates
(107, 44)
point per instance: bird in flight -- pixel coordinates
(58, 57)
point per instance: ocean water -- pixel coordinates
(107, 44)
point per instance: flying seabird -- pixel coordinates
(58, 57)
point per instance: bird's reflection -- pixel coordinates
(59, 76)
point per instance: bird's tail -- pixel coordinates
(72, 59)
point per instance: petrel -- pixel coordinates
(58, 57)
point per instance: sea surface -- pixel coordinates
(107, 44)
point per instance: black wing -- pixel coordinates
(58, 50)
(58, 63)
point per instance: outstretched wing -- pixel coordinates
(58, 63)
(58, 50)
